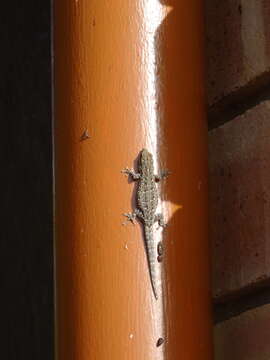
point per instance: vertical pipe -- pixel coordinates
(129, 75)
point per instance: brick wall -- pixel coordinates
(238, 83)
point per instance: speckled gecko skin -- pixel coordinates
(147, 202)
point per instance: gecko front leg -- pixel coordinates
(132, 173)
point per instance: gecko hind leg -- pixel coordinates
(160, 219)
(162, 175)
(132, 216)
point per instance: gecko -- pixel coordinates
(147, 202)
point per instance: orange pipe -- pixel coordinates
(128, 75)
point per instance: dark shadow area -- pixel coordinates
(26, 241)
(244, 302)
(239, 101)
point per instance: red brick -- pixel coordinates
(237, 45)
(239, 163)
(245, 337)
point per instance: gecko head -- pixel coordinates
(146, 159)
(145, 153)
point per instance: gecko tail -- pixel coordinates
(153, 282)
(154, 291)
(151, 258)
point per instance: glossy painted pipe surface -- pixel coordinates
(128, 75)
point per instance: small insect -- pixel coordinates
(160, 342)
(85, 135)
